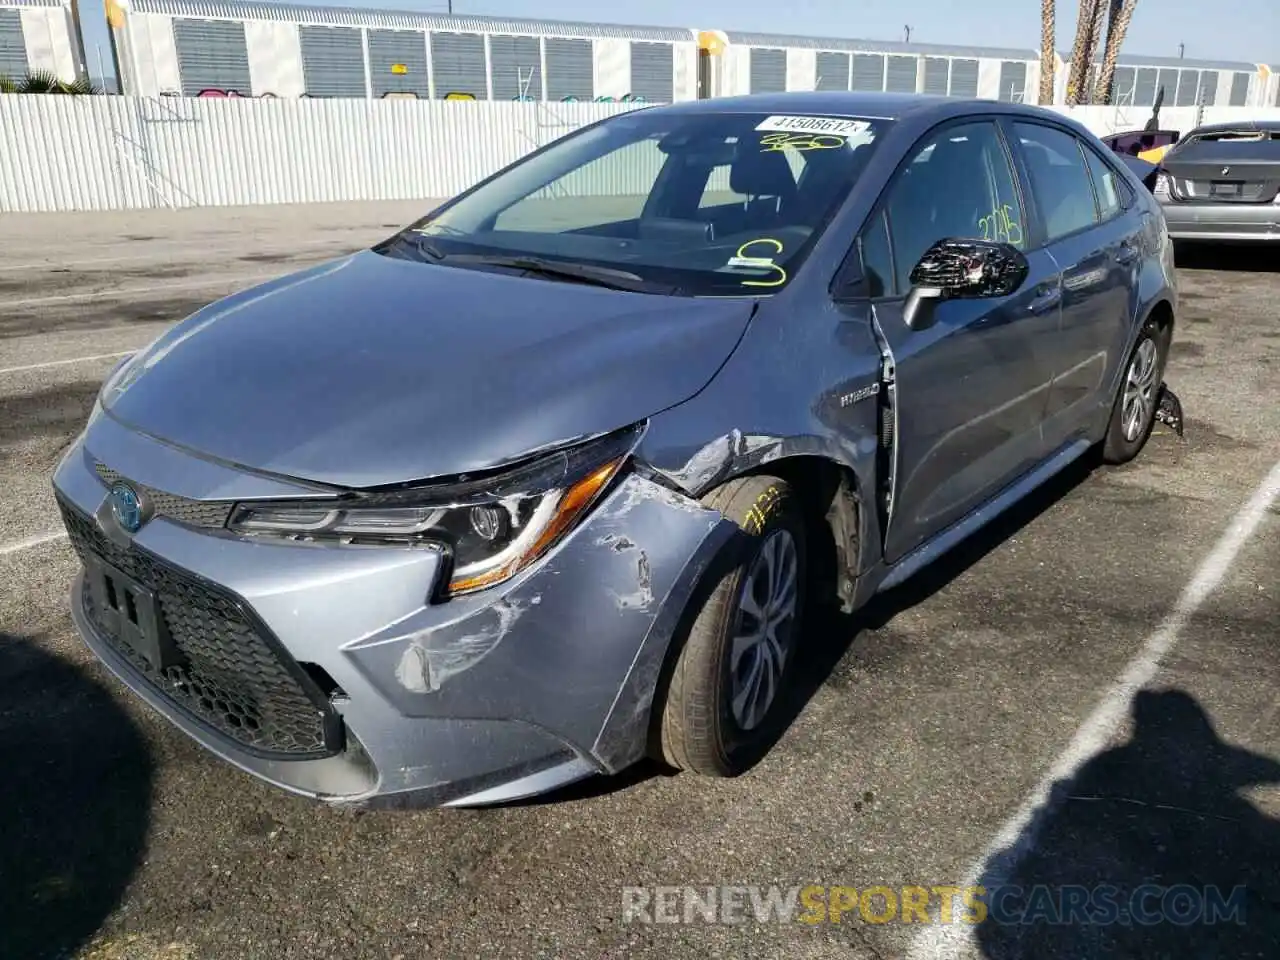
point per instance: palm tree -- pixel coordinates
(1096, 33)
(1081, 51)
(45, 81)
(1048, 57)
(1118, 24)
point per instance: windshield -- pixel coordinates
(699, 204)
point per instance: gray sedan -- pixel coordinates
(1222, 182)
(552, 479)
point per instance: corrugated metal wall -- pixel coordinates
(653, 71)
(964, 78)
(937, 71)
(868, 71)
(332, 61)
(212, 55)
(768, 70)
(900, 75)
(1239, 89)
(570, 69)
(13, 45)
(516, 65)
(832, 71)
(1013, 80)
(104, 153)
(398, 63)
(457, 61)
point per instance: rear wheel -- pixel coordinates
(1134, 413)
(719, 713)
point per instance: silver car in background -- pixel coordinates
(1221, 182)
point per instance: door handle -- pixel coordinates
(1128, 253)
(1046, 299)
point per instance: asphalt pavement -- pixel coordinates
(925, 728)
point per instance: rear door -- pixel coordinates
(970, 389)
(1095, 239)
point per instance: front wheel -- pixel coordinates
(1134, 413)
(720, 709)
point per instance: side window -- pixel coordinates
(959, 184)
(1106, 186)
(1059, 179)
(877, 264)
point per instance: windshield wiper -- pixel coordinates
(559, 269)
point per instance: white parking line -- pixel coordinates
(29, 542)
(62, 363)
(1018, 836)
(186, 285)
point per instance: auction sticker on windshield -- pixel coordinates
(839, 126)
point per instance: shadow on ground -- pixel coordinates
(1233, 257)
(74, 802)
(1148, 852)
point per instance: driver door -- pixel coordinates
(970, 389)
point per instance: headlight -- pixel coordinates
(1162, 186)
(491, 527)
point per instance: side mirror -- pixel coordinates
(954, 269)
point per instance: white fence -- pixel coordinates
(111, 153)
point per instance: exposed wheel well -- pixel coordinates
(830, 499)
(1162, 315)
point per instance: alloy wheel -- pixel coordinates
(1139, 391)
(765, 627)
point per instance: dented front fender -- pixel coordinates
(575, 644)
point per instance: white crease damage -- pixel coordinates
(642, 597)
(430, 659)
(712, 460)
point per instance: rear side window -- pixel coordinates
(1059, 179)
(1106, 186)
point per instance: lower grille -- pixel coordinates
(232, 675)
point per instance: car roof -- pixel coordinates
(1261, 126)
(888, 106)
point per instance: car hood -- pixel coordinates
(372, 370)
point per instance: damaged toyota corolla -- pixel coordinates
(551, 480)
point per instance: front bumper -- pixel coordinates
(541, 681)
(1240, 222)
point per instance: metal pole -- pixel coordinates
(115, 58)
(82, 70)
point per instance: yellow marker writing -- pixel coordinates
(775, 142)
(742, 260)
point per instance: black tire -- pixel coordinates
(1117, 448)
(698, 731)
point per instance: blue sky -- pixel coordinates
(1251, 32)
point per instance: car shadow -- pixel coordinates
(1148, 851)
(74, 802)
(1234, 257)
(838, 632)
